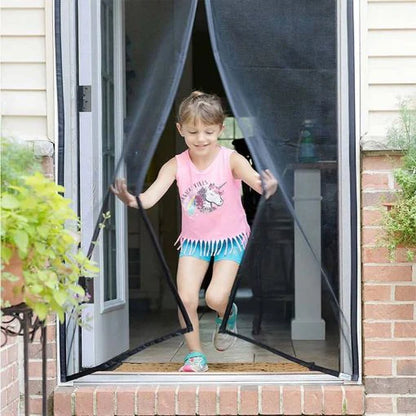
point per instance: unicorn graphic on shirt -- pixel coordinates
(207, 198)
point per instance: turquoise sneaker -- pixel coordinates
(224, 341)
(195, 362)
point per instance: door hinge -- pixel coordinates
(84, 98)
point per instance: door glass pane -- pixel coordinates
(108, 134)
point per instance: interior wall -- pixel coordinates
(145, 274)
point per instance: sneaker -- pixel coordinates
(223, 341)
(195, 362)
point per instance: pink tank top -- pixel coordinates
(212, 212)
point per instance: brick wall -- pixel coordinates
(389, 295)
(233, 399)
(9, 374)
(389, 337)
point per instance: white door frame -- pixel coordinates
(103, 317)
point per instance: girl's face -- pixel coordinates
(200, 138)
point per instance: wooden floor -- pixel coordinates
(274, 333)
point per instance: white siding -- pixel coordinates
(27, 69)
(389, 64)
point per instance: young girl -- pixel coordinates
(214, 223)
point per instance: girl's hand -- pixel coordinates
(120, 191)
(269, 183)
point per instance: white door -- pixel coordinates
(101, 67)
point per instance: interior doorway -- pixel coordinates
(152, 306)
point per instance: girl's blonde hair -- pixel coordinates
(205, 107)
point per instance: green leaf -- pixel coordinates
(60, 297)
(21, 239)
(9, 202)
(78, 290)
(40, 309)
(36, 289)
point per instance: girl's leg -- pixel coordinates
(217, 296)
(191, 273)
(219, 289)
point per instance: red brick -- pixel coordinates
(146, 400)
(405, 329)
(207, 399)
(389, 348)
(381, 255)
(11, 409)
(374, 181)
(405, 293)
(3, 396)
(380, 311)
(125, 400)
(84, 401)
(375, 255)
(291, 400)
(406, 367)
(35, 368)
(312, 400)
(48, 166)
(12, 392)
(354, 398)
(371, 236)
(332, 400)
(378, 367)
(35, 386)
(35, 351)
(377, 198)
(105, 400)
(375, 163)
(166, 400)
(228, 400)
(9, 374)
(374, 292)
(4, 356)
(50, 334)
(379, 404)
(387, 273)
(270, 400)
(406, 405)
(377, 330)
(371, 217)
(249, 404)
(12, 354)
(186, 400)
(35, 405)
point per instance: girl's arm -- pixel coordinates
(243, 170)
(151, 196)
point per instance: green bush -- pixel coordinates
(38, 223)
(400, 220)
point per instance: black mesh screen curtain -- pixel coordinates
(278, 64)
(162, 32)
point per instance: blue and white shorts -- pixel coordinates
(232, 251)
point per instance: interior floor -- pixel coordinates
(277, 335)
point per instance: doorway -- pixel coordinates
(152, 308)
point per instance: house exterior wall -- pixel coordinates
(388, 288)
(387, 55)
(27, 113)
(27, 71)
(388, 65)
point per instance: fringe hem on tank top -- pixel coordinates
(212, 247)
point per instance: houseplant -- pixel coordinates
(39, 230)
(400, 218)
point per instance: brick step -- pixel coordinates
(232, 399)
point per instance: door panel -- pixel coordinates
(101, 136)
